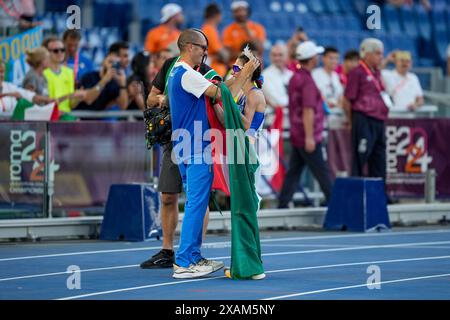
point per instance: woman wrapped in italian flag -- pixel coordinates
(238, 120)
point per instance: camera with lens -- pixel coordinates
(158, 125)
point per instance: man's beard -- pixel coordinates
(241, 19)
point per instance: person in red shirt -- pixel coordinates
(243, 31)
(367, 110)
(306, 117)
(351, 60)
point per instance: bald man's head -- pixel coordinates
(190, 36)
(193, 46)
(278, 56)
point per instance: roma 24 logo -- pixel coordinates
(410, 143)
(27, 164)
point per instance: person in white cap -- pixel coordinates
(167, 33)
(306, 116)
(243, 31)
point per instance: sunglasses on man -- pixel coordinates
(58, 50)
(199, 45)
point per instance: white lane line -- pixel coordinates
(67, 272)
(430, 247)
(396, 245)
(228, 243)
(137, 288)
(360, 263)
(357, 286)
(271, 271)
(284, 245)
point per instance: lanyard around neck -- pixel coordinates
(377, 84)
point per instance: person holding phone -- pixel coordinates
(109, 84)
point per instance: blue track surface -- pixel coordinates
(414, 264)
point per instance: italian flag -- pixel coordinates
(237, 179)
(27, 111)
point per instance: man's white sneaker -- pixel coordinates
(216, 265)
(193, 271)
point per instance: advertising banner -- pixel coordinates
(22, 150)
(13, 53)
(413, 146)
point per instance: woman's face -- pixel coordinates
(237, 67)
(46, 62)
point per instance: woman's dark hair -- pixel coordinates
(256, 77)
(139, 65)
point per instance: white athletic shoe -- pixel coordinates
(193, 271)
(260, 276)
(216, 265)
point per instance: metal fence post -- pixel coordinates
(430, 186)
(48, 185)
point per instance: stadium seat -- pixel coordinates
(338, 22)
(352, 22)
(408, 21)
(315, 6)
(332, 6)
(438, 18)
(325, 23)
(308, 22)
(391, 18)
(360, 6)
(61, 5)
(440, 43)
(423, 21)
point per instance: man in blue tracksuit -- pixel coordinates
(186, 91)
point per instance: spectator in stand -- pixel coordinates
(276, 78)
(10, 93)
(402, 85)
(306, 116)
(166, 34)
(327, 80)
(366, 104)
(161, 57)
(60, 79)
(139, 83)
(242, 31)
(79, 63)
(298, 37)
(18, 14)
(108, 87)
(351, 60)
(135, 89)
(38, 59)
(217, 54)
(122, 50)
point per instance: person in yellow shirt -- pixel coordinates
(60, 79)
(217, 54)
(166, 34)
(242, 31)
